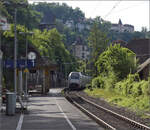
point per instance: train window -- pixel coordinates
(74, 76)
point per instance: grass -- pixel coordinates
(138, 105)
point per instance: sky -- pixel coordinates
(136, 13)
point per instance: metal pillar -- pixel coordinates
(20, 83)
(0, 78)
(26, 77)
(44, 81)
(15, 52)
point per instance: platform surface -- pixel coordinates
(50, 112)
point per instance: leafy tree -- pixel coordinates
(144, 29)
(58, 11)
(25, 15)
(97, 41)
(116, 59)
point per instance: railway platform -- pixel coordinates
(50, 112)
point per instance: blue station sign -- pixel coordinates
(21, 63)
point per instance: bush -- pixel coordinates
(145, 87)
(133, 86)
(95, 82)
(103, 81)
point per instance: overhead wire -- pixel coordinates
(112, 9)
(97, 5)
(133, 6)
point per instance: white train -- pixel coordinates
(76, 80)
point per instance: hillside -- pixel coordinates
(72, 23)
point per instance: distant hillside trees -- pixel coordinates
(59, 11)
(25, 16)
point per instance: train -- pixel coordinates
(76, 80)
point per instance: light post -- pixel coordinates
(16, 5)
(26, 78)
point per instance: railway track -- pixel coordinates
(106, 118)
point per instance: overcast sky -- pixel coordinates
(130, 12)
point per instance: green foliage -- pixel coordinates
(29, 17)
(97, 42)
(104, 82)
(25, 15)
(96, 83)
(137, 104)
(58, 14)
(127, 36)
(117, 59)
(133, 86)
(116, 83)
(52, 11)
(50, 44)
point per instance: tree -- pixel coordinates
(25, 16)
(144, 29)
(97, 41)
(116, 59)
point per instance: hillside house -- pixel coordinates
(80, 25)
(122, 27)
(80, 49)
(69, 23)
(141, 47)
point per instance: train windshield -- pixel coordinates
(74, 76)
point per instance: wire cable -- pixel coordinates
(96, 6)
(133, 6)
(112, 9)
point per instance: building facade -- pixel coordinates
(122, 27)
(141, 47)
(80, 50)
(81, 25)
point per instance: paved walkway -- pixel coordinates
(51, 112)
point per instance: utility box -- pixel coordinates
(10, 103)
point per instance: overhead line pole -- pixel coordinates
(26, 58)
(15, 44)
(26, 79)
(15, 52)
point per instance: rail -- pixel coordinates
(100, 121)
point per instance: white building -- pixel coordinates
(69, 23)
(122, 27)
(80, 50)
(80, 25)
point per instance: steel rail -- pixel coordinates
(94, 117)
(132, 122)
